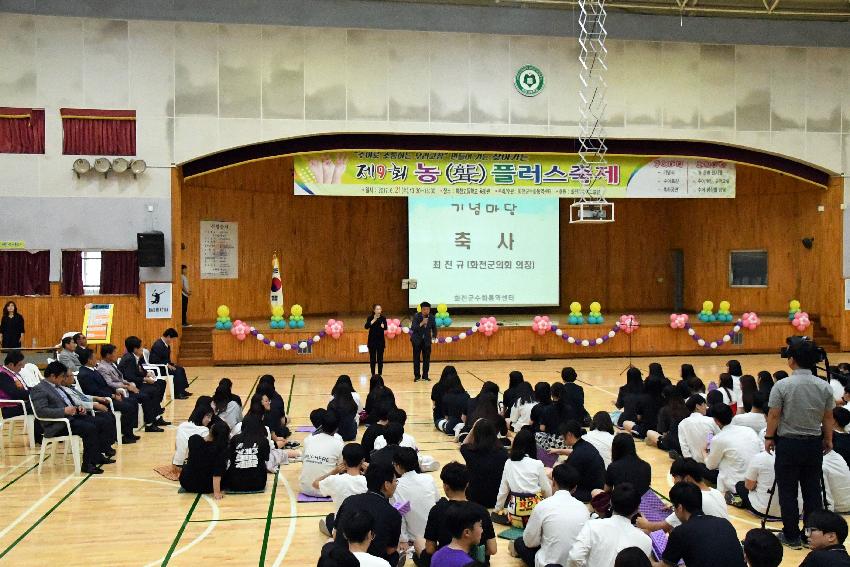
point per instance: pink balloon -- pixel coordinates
(237, 322)
(678, 320)
(628, 324)
(234, 330)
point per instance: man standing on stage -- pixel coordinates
(799, 426)
(423, 330)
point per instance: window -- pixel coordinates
(748, 268)
(91, 272)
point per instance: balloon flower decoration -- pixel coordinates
(222, 322)
(240, 330)
(334, 328)
(750, 321)
(793, 309)
(393, 328)
(678, 320)
(575, 318)
(277, 320)
(724, 314)
(541, 324)
(707, 314)
(488, 326)
(595, 317)
(296, 317)
(629, 323)
(801, 321)
(442, 319)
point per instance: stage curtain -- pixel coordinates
(24, 273)
(72, 272)
(119, 272)
(90, 131)
(21, 130)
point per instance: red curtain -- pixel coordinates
(119, 272)
(89, 131)
(21, 130)
(24, 273)
(72, 272)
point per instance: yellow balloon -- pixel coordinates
(419, 309)
(442, 308)
(595, 307)
(707, 305)
(794, 305)
(223, 311)
(277, 311)
(575, 307)
(725, 305)
(296, 310)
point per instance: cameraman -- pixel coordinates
(799, 427)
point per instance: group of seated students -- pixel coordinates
(575, 494)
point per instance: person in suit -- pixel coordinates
(376, 323)
(98, 408)
(161, 354)
(13, 387)
(93, 384)
(423, 331)
(50, 400)
(130, 367)
(82, 344)
(68, 354)
(108, 370)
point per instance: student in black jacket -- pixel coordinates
(585, 459)
(130, 367)
(93, 384)
(377, 324)
(574, 394)
(248, 453)
(207, 462)
(161, 354)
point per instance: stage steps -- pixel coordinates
(822, 337)
(196, 345)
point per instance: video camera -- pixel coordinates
(806, 352)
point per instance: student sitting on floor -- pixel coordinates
(836, 478)
(278, 453)
(524, 480)
(754, 492)
(249, 451)
(464, 525)
(626, 466)
(826, 532)
(377, 429)
(346, 479)
(666, 437)
(197, 424)
(393, 435)
(554, 524)
(207, 461)
(399, 416)
(585, 459)
(731, 450)
(359, 531)
(322, 454)
(455, 477)
(417, 489)
(225, 408)
(601, 435)
(762, 549)
(519, 413)
(695, 429)
(756, 418)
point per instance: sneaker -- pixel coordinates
(323, 527)
(291, 445)
(791, 544)
(673, 454)
(501, 519)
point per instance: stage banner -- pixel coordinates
(97, 323)
(158, 300)
(219, 250)
(357, 173)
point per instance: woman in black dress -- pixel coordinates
(377, 324)
(485, 458)
(249, 451)
(11, 326)
(207, 462)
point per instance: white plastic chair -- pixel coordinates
(75, 442)
(160, 371)
(31, 375)
(116, 414)
(26, 419)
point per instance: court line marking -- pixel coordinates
(16, 467)
(259, 518)
(289, 400)
(474, 376)
(45, 515)
(597, 387)
(269, 516)
(290, 534)
(168, 403)
(256, 381)
(32, 508)
(180, 531)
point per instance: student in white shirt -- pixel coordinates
(601, 435)
(520, 412)
(523, 479)
(197, 424)
(713, 503)
(225, 408)
(753, 493)
(756, 418)
(599, 541)
(731, 450)
(359, 531)
(836, 478)
(342, 482)
(419, 490)
(733, 367)
(397, 415)
(694, 431)
(554, 523)
(322, 453)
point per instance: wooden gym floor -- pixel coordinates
(132, 516)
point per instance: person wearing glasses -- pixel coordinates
(826, 532)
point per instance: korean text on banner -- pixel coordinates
(97, 323)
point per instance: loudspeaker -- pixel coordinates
(151, 247)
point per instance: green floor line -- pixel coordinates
(177, 537)
(474, 376)
(269, 520)
(289, 401)
(297, 516)
(253, 387)
(17, 478)
(43, 517)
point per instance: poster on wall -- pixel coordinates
(158, 300)
(357, 173)
(97, 323)
(219, 250)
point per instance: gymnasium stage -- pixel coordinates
(513, 341)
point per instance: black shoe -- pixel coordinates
(182, 396)
(426, 379)
(91, 469)
(110, 452)
(161, 422)
(153, 429)
(501, 519)
(135, 437)
(128, 439)
(416, 378)
(291, 445)
(187, 394)
(105, 461)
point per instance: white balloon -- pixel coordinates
(736, 328)
(260, 336)
(692, 332)
(272, 344)
(599, 341)
(713, 344)
(287, 346)
(474, 329)
(317, 338)
(462, 336)
(448, 339)
(701, 342)
(726, 338)
(405, 330)
(571, 340)
(611, 334)
(302, 344)
(559, 332)
(585, 342)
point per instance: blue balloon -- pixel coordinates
(219, 325)
(447, 321)
(228, 325)
(301, 324)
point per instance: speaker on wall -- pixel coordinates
(151, 247)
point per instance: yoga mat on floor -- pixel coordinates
(511, 534)
(305, 429)
(652, 507)
(306, 498)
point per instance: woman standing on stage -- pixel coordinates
(11, 326)
(377, 324)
